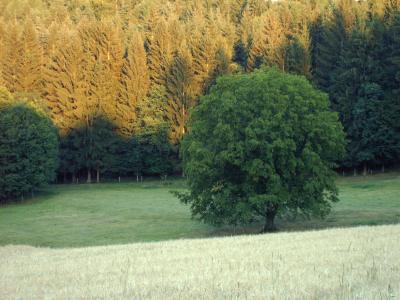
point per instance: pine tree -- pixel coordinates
(373, 137)
(6, 98)
(135, 85)
(329, 38)
(11, 57)
(203, 48)
(159, 53)
(180, 94)
(65, 85)
(2, 47)
(31, 61)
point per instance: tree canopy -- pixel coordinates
(134, 64)
(260, 145)
(28, 150)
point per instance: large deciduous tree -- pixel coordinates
(261, 145)
(28, 150)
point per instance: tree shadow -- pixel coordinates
(95, 150)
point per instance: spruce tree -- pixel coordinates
(159, 53)
(66, 86)
(135, 85)
(31, 61)
(180, 94)
(11, 57)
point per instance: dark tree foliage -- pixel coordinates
(359, 68)
(260, 145)
(28, 151)
(99, 151)
(140, 65)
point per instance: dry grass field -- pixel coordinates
(351, 263)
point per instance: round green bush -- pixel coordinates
(28, 151)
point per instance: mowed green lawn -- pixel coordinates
(120, 213)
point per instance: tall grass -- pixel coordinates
(352, 263)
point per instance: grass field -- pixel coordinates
(352, 263)
(121, 213)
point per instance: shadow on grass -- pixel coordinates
(299, 226)
(39, 196)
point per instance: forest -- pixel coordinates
(118, 78)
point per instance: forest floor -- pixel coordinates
(121, 213)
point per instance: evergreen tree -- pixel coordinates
(6, 98)
(135, 85)
(31, 61)
(159, 53)
(329, 38)
(373, 139)
(203, 49)
(66, 86)
(180, 95)
(11, 57)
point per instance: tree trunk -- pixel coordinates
(137, 177)
(355, 172)
(89, 176)
(269, 225)
(383, 168)
(74, 178)
(65, 177)
(365, 169)
(97, 175)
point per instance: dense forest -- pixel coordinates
(118, 77)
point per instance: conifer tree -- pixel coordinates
(11, 57)
(203, 49)
(135, 85)
(159, 53)
(31, 61)
(65, 86)
(329, 39)
(180, 94)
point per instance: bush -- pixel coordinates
(28, 150)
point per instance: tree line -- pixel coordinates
(118, 78)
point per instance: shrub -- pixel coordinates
(28, 150)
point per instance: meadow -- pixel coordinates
(121, 213)
(345, 263)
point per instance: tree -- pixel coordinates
(180, 94)
(329, 38)
(11, 57)
(65, 88)
(260, 145)
(135, 85)
(159, 53)
(373, 137)
(28, 150)
(5, 97)
(30, 70)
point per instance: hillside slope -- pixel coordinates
(353, 263)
